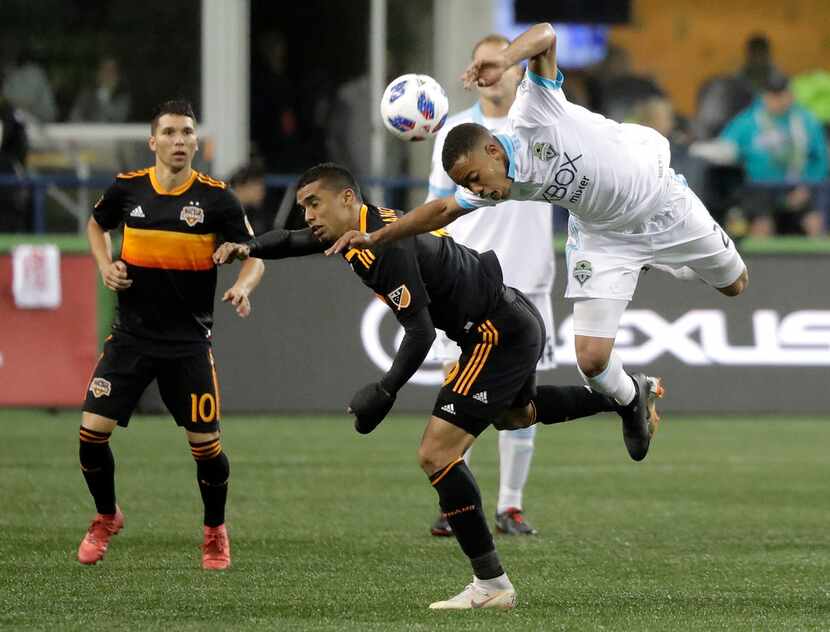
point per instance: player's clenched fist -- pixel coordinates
(114, 276)
(230, 252)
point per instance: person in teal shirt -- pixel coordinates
(783, 151)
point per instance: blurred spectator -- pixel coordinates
(758, 66)
(26, 87)
(275, 123)
(720, 98)
(248, 182)
(782, 148)
(13, 149)
(107, 101)
(616, 89)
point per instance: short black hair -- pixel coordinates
(247, 173)
(176, 106)
(461, 140)
(758, 43)
(333, 176)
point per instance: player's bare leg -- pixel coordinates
(737, 288)
(98, 467)
(212, 472)
(440, 456)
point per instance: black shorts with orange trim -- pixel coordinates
(185, 372)
(497, 367)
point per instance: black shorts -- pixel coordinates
(497, 367)
(185, 373)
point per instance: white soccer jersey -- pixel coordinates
(520, 234)
(607, 174)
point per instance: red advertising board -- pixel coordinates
(46, 356)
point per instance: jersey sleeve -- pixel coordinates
(235, 226)
(440, 183)
(539, 100)
(109, 209)
(395, 276)
(470, 201)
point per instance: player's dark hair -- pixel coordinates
(333, 176)
(461, 140)
(493, 38)
(176, 106)
(247, 173)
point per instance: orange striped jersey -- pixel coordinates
(169, 240)
(456, 284)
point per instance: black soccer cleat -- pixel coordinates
(441, 527)
(512, 522)
(640, 418)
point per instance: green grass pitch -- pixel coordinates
(723, 527)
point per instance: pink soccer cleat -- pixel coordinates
(216, 551)
(97, 537)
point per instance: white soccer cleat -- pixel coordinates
(474, 596)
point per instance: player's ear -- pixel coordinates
(151, 142)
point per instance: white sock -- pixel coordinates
(515, 454)
(502, 582)
(613, 381)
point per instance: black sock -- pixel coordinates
(212, 473)
(460, 501)
(98, 467)
(555, 404)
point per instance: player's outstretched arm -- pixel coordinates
(422, 219)
(275, 244)
(537, 44)
(113, 273)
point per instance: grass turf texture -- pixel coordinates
(723, 527)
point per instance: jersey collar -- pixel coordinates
(507, 144)
(184, 186)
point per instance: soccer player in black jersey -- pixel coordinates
(165, 278)
(429, 281)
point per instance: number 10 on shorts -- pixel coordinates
(202, 408)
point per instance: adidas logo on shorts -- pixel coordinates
(482, 397)
(137, 212)
(449, 408)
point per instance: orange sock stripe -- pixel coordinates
(208, 452)
(446, 470)
(93, 436)
(481, 364)
(204, 447)
(468, 369)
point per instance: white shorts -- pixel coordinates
(682, 233)
(445, 351)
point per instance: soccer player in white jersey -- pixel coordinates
(522, 237)
(628, 209)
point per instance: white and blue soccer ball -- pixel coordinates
(414, 107)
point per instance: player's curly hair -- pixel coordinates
(176, 106)
(460, 141)
(334, 177)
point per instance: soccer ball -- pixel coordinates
(414, 107)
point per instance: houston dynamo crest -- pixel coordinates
(192, 215)
(583, 271)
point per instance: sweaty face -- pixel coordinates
(483, 171)
(328, 213)
(174, 141)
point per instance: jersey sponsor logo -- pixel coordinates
(100, 387)
(400, 297)
(137, 212)
(544, 151)
(583, 270)
(562, 179)
(448, 408)
(192, 214)
(482, 397)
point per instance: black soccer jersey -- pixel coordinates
(169, 240)
(458, 285)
